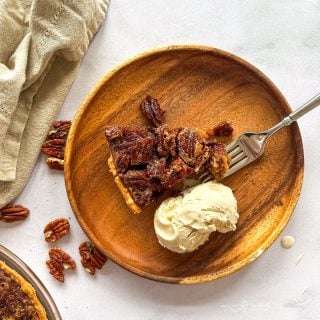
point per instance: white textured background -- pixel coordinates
(282, 38)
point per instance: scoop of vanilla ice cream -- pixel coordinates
(184, 223)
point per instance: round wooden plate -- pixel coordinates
(197, 87)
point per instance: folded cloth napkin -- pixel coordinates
(41, 46)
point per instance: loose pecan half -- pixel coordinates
(151, 109)
(55, 163)
(13, 213)
(56, 229)
(59, 261)
(92, 258)
(54, 148)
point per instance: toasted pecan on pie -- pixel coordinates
(146, 161)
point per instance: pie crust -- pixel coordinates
(28, 295)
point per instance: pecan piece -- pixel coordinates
(151, 109)
(189, 146)
(58, 262)
(137, 182)
(91, 257)
(140, 152)
(135, 178)
(56, 229)
(156, 168)
(55, 163)
(175, 173)
(61, 124)
(219, 163)
(166, 141)
(13, 213)
(122, 161)
(112, 133)
(223, 129)
(60, 130)
(54, 148)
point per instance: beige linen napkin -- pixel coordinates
(41, 45)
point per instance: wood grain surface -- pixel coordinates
(197, 87)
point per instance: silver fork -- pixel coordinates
(250, 146)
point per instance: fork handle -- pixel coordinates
(295, 115)
(308, 106)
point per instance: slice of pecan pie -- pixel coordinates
(146, 161)
(18, 300)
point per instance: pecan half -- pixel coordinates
(166, 141)
(54, 148)
(56, 229)
(62, 125)
(151, 109)
(92, 258)
(189, 146)
(59, 261)
(13, 213)
(60, 130)
(55, 163)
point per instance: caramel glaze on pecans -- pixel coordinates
(151, 109)
(150, 160)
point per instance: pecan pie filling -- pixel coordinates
(148, 160)
(18, 300)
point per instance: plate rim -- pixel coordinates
(236, 266)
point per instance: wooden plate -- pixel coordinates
(198, 87)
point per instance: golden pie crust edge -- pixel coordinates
(27, 288)
(125, 192)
